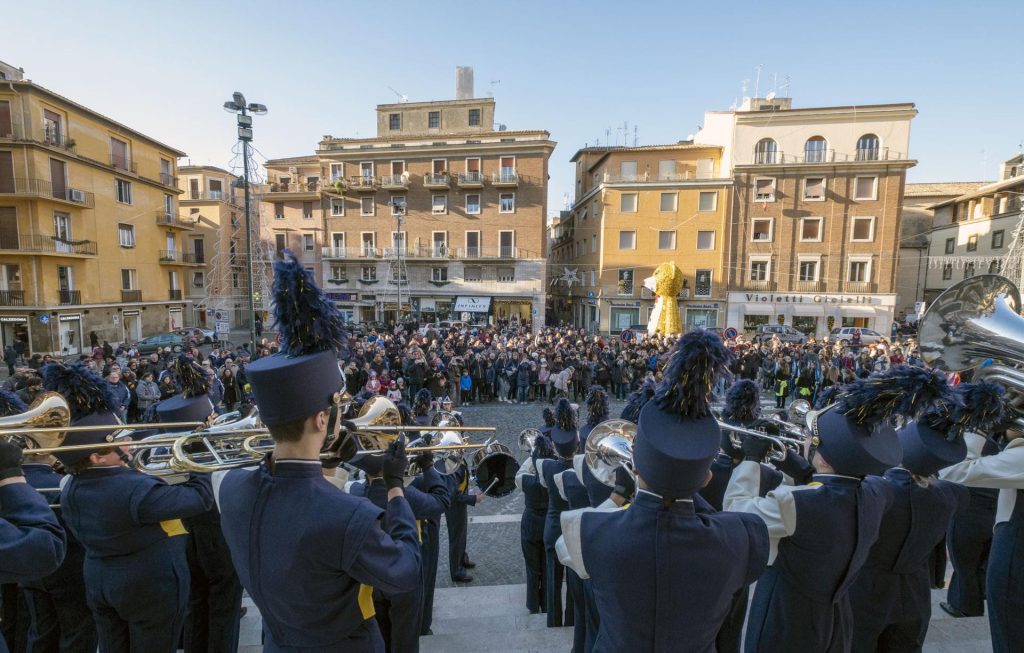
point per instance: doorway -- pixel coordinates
(69, 333)
(132, 326)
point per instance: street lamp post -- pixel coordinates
(237, 104)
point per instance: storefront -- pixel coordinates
(14, 329)
(433, 309)
(69, 333)
(813, 314)
(175, 318)
(622, 315)
(702, 314)
(345, 302)
(512, 309)
(473, 310)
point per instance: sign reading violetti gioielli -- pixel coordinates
(771, 298)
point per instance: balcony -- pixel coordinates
(123, 163)
(471, 180)
(296, 190)
(507, 178)
(329, 253)
(12, 297)
(495, 253)
(131, 295)
(810, 286)
(192, 258)
(44, 189)
(395, 182)
(172, 221)
(860, 286)
(337, 185)
(167, 179)
(211, 196)
(69, 297)
(174, 294)
(439, 180)
(363, 183)
(762, 285)
(827, 156)
(37, 244)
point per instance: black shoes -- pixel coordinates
(469, 564)
(951, 611)
(463, 578)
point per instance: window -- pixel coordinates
(972, 243)
(814, 150)
(368, 273)
(507, 244)
(366, 172)
(814, 189)
(473, 273)
(338, 273)
(705, 240)
(474, 117)
(440, 243)
(128, 280)
(235, 280)
(307, 210)
(627, 240)
(997, 239)
(995, 267)
(368, 240)
(702, 279)
(53, 130)
(947, 271)
(308, 242)
(439, 274)
(366, 206)
(433, 120)
(123, 191)
(473, 203)
(627, 203)
(810, 230)
(593, 243)
(950, 245)
(394, 121)
(764, 190)
(761, 230)
(126, 235)
(337, 172)
(707, 201)
(507, 203)
(867, 148)
(766, 151)
(863, 230)
(119, 154)
(668, 202)
(398, 205)
(759, 269)
(439, 204)
(506, 274)
(279, 210)
(808, 270)
(197, 279)
(280, 244)
(667, 169)
(859, 271)
(472, 243)
(666, 240)
(864, 188)
(337, 206)
(625, 284)
(473, 167)
(627, 169)
(968, 270)
(705, 168)
(216, 189)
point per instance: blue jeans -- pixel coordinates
(521, 392)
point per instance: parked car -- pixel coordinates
(199, 335)
(175, 341)
(784, 332)
(867, 336)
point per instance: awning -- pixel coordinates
(860, 311)
(808, 310)
(472, 304)
(758, 309)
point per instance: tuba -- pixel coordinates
(50, 411)
(377, 411)
(610, 446)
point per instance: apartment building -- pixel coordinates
(817, 197)
(638, 207)
(441, 213)
(91, 234)
(973, 232)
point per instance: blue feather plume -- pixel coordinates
(637, 400)
(597, 405)
(742, 402)
(191, 376)
(983, 408)
(565, 416)
(11, 404)
(698, 360)
(544, 447)
(406, 414)
(307, 321)
(826, 396)
(85, 391)
(903, 391)
(421, 402)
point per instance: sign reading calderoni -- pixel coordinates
(811, 299)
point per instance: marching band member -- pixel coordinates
(59, 618)
(308, 554)
(891, 598)
(548, 416)
(457, 519)
(565, 438)
(215, 597)
(821, 532)
(742, 408)
(531, 528)
(571, 489)
(597, 412)
(1004, 581)
(136, 571)
(32, 541)
(637, 400)
(664, 570)
(421, 407)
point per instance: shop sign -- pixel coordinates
(130, 313)
(342, 296)
(627, 304)
(69, 318)
(707, 306)
(15, 320)
(591, 302)
(472, 304)
(810, 299)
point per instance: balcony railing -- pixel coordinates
(362, 183)
(123, 163)
(395, 181)
(12, 297)
(193, 258)
(69, 297)
(165, 219)
(174, 294)
(211, 195)
(437, 180)
(131, 295)
(333, 252)
(296, 187)
(37, 244)
(167, 179)
(170, 256)
(494, 252)
(471, 179)
(828, 156)
(506, 177)
(810, 286)
(45, 189)
(763, 285)
(860, 286)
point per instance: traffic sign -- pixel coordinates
(731, 333)
(626, 335)
(44, 318)
(223, 327)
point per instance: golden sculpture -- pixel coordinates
(665, 284)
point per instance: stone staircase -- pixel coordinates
(491, 618)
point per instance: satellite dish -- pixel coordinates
(770, 96)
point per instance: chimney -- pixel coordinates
(463, 82)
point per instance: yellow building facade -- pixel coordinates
(638, 207)
(91, 234)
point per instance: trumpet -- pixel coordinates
(797, 433)
(779, 442)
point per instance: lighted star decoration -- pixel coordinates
(568, 277)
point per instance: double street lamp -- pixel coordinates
(238, 105)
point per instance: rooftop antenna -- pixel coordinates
(635, 137)
(401, 98)
(490, 93)
(757, 80)
(565, 201)
(775, 82)
(608, 136)
(784, 89)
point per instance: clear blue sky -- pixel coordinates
(573, 68)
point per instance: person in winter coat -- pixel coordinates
(122, 396)
(522, 382)
(147, 393)
(466, 387)
(232, 391)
